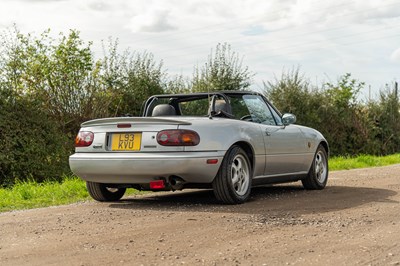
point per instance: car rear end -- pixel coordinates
(146, 153)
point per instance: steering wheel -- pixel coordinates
(247, 118)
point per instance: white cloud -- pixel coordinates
(333, 36)
(152, 21)
(395, 56)
(101, 6)
(33, 1)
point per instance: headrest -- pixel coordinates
(163, 110)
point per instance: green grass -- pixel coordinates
(362, 161)
(28, 195)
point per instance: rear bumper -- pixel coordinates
(141, 168)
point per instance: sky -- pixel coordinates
(325, 39)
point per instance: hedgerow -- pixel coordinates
(48, 87)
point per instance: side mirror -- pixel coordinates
(288, 119)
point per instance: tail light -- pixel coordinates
(124, 125)
(84, 139)
(178, 137)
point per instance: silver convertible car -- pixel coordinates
(229, 141)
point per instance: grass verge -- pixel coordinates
(362, 161)
(28, 195)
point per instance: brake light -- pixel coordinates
(84, 139)
(124, 125)
(178, 137)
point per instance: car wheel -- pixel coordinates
(232, 184)
(101, 192)
(318, 175)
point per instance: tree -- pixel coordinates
(222, 71)
(46, 91)
(130, 78)
(60, 73)
(349, 127)
(385, 114)
(32, 144)
(178, 84)
(332, 109)
(293, 93)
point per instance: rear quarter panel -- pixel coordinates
(219, 134)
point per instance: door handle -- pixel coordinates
(270, 131)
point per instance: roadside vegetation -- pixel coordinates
(49, 86)
(30, 194)
(362, 161)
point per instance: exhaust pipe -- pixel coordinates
(176, 182)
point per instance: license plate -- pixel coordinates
(126, 142)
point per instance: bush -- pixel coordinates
(384, 113)
(32, 145)
(350, 126)
(222, 71)
(129, 79)
(49, 87)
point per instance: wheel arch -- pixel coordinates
(233, 182)
(249, 151)
(326, 146)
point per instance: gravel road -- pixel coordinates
(354, 221)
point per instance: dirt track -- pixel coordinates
(354, 221)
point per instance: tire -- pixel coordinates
(232, 185)
(101, 192)
(318, 175)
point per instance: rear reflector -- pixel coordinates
(157, 184)
(212, 161)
